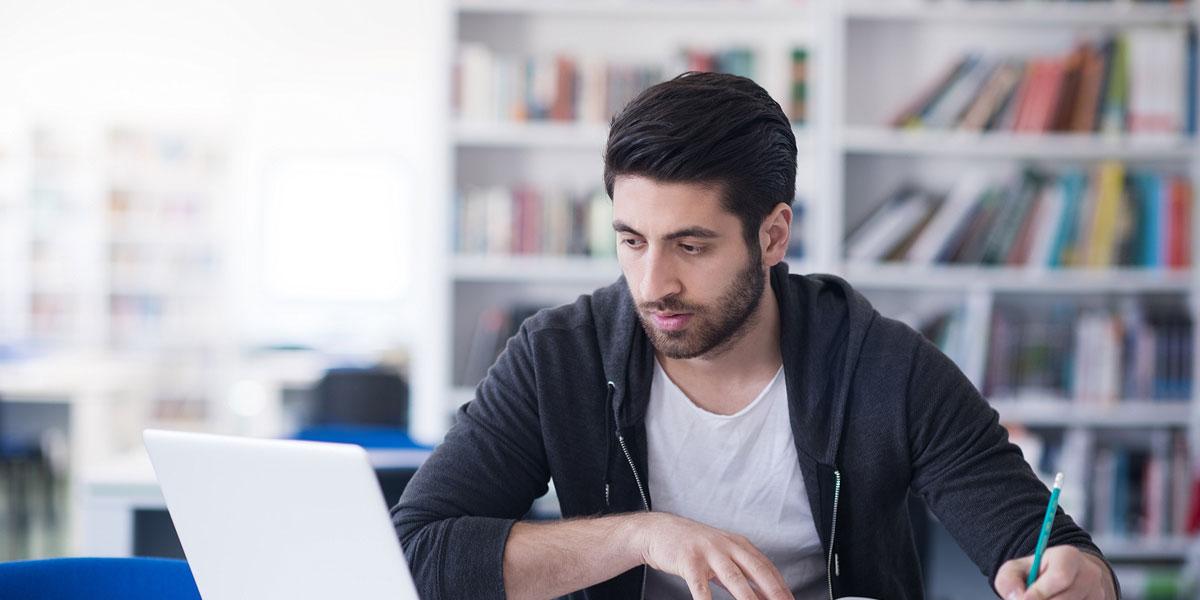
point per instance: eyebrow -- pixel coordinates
(694, 231)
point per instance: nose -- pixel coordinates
(659, 278)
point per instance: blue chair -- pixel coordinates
(99, 579)
(361, 396)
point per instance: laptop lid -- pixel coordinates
(279, 519)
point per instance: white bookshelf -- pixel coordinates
(880, 37)
(1043, 412)
(129, 227)
(871, 140)
(1036, 14)
(862, 45)
(1016, 280)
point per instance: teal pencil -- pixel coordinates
(1044, 536)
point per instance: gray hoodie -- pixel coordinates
(876, 411)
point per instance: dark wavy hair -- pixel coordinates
(710, 129)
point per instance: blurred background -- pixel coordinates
(322, 221)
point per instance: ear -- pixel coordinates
(774, 234)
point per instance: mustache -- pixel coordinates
(669, 304)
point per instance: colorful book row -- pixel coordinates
(1105, 217)
(1142, 81)
(1091, 356)
(1143, 489)
(499, 87)
(526, 219)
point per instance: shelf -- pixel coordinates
(1169, 548)
(1064, 413)
(544, 269)
(721, 10)
(1009, 279)
(869, 140)
(1049, 14)
(552, 135)
(551, 269)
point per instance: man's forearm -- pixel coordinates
(548, 560)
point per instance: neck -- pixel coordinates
(748, 357)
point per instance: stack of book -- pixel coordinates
(490, 86)
(1135, 485)
(550, 221)
(1108, 217)
(1142, 81)
(1090, 356)
(528, 219)
(1141, 488)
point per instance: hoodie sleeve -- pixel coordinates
(454, 517)
(976, 481)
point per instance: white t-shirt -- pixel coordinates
(738, 473)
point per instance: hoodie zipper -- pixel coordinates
(636, 478)
(641, 490)
(831, 566)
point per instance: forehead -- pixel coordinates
(651, 206)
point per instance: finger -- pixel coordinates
(697, 582)
(1010, 579)
(1056, 578)
(760, 569)
(1071, 594)
(732, 579)
(763, 574)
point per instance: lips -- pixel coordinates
(671, 321)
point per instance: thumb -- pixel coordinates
(1010, 579)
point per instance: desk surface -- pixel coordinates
(132, 475)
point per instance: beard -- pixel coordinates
(711, 328)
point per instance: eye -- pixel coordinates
(690, 249)
(632, 242)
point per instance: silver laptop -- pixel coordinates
(262, 519)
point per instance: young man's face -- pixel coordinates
(694, 280)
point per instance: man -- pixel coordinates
(711, 418)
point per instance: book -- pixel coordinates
(949, 217)
(996, 91)
(887, 226)
(909, 116)
(1114, 120)
(1087, 97)
(799, 91)
(1109, 189)
(1045, 226)
(1157, 98)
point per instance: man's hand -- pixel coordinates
(699, 553)
(1067, 573)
